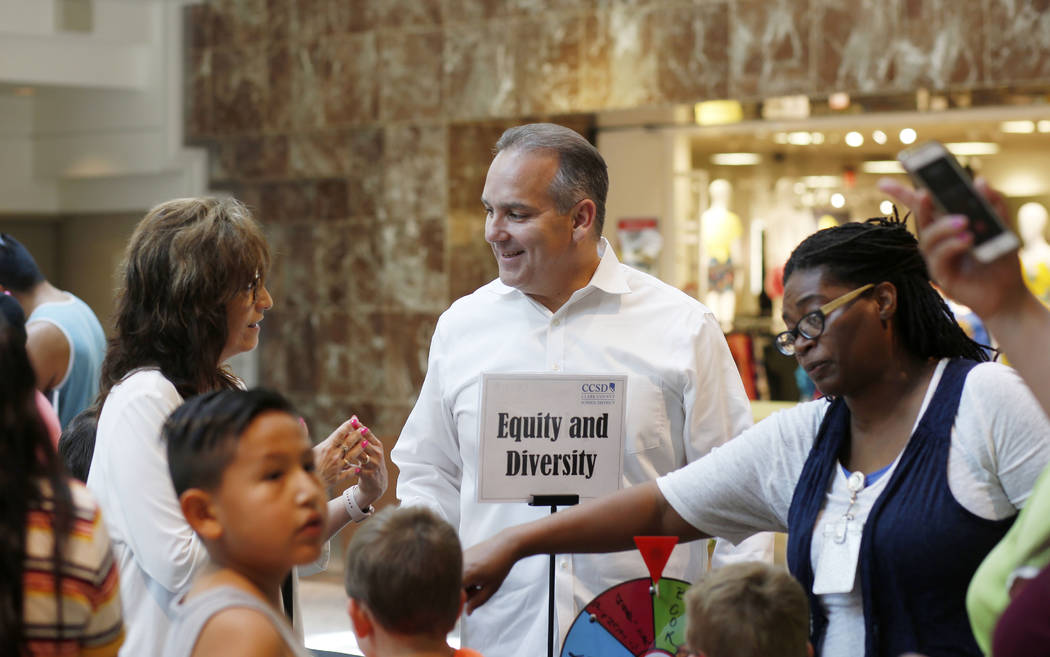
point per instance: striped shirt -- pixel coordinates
(92, 623)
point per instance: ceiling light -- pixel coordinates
(907, 136)
(718, 112)
(1043, 126)
(972, 148)
(837, 200)
(1018, 127)
(854, 139)
(800, 138)
(886, 208)
(881, 167)
(736, 159)
(822, 182)
(781, 137)
(879, 137)
(818, 137)
(838, 100)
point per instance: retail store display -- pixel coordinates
(1035, 254)
(720, 233)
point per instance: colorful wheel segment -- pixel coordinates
(627, 620)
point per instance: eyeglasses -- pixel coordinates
(253, 287)
(811, 326)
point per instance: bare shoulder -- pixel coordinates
(237, 632)
(48, 351)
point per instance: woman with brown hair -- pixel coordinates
(193, 295)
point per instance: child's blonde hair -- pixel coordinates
(747, 610)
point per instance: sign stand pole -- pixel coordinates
(553, 501)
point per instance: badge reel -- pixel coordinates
(837, 565)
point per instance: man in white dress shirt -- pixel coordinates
(564, 303)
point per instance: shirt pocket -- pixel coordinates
(648, 426)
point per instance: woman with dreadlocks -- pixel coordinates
(891, 489)
(58, 580)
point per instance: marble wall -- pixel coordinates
(360, 131)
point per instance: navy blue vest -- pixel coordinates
(919, 548)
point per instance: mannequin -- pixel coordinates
(1035, 254)
(789, 224)
(720, 232)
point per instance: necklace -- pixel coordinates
(855, 484)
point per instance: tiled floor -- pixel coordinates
(325, 620)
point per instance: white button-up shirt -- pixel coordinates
(684, 397)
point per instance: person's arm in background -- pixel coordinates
(427, 452)
(716, 410)
(995, 290)
(48, 351)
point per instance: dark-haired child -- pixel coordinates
(747, 609)
(76, 445)
(404, 576)
(243, 469)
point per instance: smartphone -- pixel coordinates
(931, 165)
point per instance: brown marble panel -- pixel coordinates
(368, 346)
(312, 20)
(481, 74)
(261, 157)
(407, 337)
(365, 155)
(334, 362)
(472, 11)
(289, 201)
(239, 84)
(411, 269)
(1017, 34)
(471, 263)
(414, 171)
(288, 361)
(279, 13)
(620, 59)
(198, 90)
(548, 65)
(277, 114)
(334, 82)
(318, 154)
(533, 8)
(410, 75)
(898, 45)
(693, 46)
(360, 266)
(400, 14)
(769, 48)
(196, 21)
(238, 22)
(292, 280)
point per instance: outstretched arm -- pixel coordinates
(995, 290)
(607, 524)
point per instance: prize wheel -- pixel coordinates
(631, 619)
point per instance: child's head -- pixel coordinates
(404, 572)
(76, 445)
(243, 469)
(747, 610)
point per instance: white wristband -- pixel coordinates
(357, 514)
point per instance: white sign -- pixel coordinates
(550, 434)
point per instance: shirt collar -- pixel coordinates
(608, 277)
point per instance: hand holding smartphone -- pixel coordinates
(931, 165)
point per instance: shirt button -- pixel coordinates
(564, 564)
(555, 367)
(556, 322)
